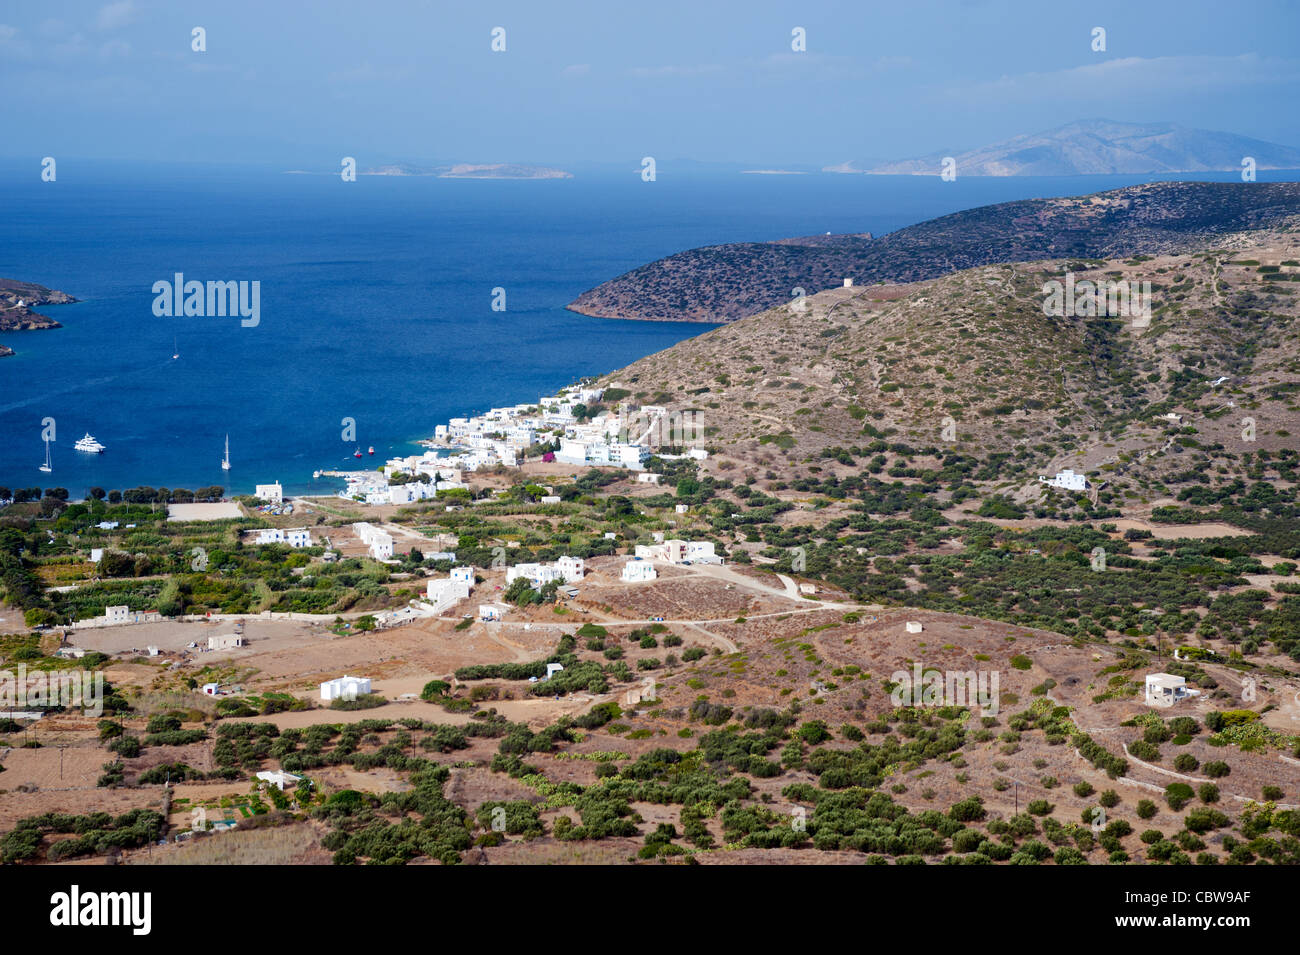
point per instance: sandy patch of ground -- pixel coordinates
(218, 511)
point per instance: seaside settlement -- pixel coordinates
(561, 426)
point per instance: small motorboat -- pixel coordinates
(357, 453)
(372, 449)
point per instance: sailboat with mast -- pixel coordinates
(45, 468)
(225, 462)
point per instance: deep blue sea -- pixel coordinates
(376, 301)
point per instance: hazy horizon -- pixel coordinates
(301, 85)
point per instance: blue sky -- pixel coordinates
(300, 84)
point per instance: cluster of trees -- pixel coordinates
(95, 833)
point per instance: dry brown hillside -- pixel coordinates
(970, 361)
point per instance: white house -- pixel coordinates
(914, 626)
(1067, 480)
(380, 543)
(225, 641)
(571, 568)
(278, 778)
(648, 477)
(639, 571)
(1166, 689)
(702, 551)
(96, 554)
(488, 612)
(680, 508)
(294, 536)
(676, 551)
(447, 591)
(566, 569)
(344, 688)
(107, 525)
(116, 615)
(211, 689)
(269, 492)
(465, 573)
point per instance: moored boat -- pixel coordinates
(89, 445)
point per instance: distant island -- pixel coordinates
(498, 170)
(16, 301)
(1096, 147)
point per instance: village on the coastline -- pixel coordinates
(563, 424)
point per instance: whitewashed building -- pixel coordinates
(1067, 480)
(344, 688)
(271, 493)
(565, 570)
(639, 571)
(278, 778)
(378, 542)
(295, 536)
(447, 592)
(1166, 689)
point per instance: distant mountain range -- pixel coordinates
(1097, 147)
(496, 170)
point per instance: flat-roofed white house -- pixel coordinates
(702, 551)
(378, 542)
(566, 570)
(294, 536)
(488, 612)
(447, 591)
(344, 688)
(269, 492)
(1166, 689)
(571, 568)
(225, 641)
(116, 615)
(278, 778)
(1067, 480)
(678, 551)
(465, 573)
(639, 571)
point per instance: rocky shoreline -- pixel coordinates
(17, 301)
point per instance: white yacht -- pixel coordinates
(225, 462)
(89, 445)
